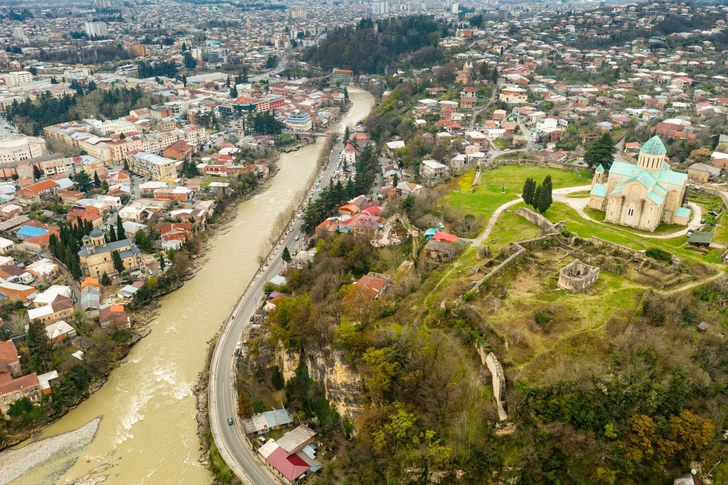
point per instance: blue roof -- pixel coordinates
(672, 178)
(429, 233)
(31, 231)
(600, 190)
(623, 168)
(682, 212)
(655, 197)
(600, 168)
(654, 146)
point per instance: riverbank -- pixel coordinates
(66, 447)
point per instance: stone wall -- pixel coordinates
(578, 276)
(519, 250)
(536, 218)
(602, 242)
(498, 378)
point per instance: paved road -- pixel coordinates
(230, 440)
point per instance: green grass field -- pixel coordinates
(585, 229)
(489, 194)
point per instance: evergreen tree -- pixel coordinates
(601, 152)
(39, 348)
(36, 172)
(184, 47)
(347, 134)
(529, 186)
(126, 165)
(105, 280)
(545, 195)
(83, 181)
(97, 180)
(346, 94)
(233, 92)
(286, 256)
(120, 233)
(112, 234)
(118, 263)
(161, 262)
(536, 197)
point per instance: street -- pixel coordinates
(230, 440)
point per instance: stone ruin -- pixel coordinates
(577, 276)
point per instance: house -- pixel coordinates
(16, 292)
(44, 270)
(49, 295)
(266, 421)
(373, 285)
(700, 173)
(349, 154)
(9, 359)
(393, 146)
(60, 308)
(59, 331)
(15, 389)
(432, 170)
(467, 102)
(90, 294)
(405, 189)
(39, 191)
(292, 455)
(6, 245)
(441, 251)
(113, 316)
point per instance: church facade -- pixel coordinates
(642, 195)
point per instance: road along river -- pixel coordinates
(148, 432)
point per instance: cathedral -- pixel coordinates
(642, 195)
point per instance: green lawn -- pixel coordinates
(489, 194)
(511, 228)
(575, 223)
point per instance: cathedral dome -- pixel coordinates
(654, 146)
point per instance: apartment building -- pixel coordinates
(20, 147)
(17, 78)
(153, 166)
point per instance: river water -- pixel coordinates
(148, 431)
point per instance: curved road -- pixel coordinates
(230, 440)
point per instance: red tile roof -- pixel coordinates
(21, 383)
(444, 236)
(290, 467)
(8, 353)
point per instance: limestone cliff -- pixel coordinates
(342, 382)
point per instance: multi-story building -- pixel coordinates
(432, 170)
(11, 391)
(299, 122)
(17, 78)
(20, 147)
(96, 29)
(342, 76)
(153, 166)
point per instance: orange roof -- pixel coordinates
(41, 186)
(89, 282)
(349, 147)
(353, 208)
(8, 353)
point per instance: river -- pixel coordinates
(148, 432)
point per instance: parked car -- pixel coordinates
(230, 421)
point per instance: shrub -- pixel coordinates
(659, 254)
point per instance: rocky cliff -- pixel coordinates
(342, 382)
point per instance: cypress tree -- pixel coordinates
(39, 347)
(545, 195)
(97, 180)
(528, 188)
(120, 233)
(112, 234)
(536, 197)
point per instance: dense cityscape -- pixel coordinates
(362, 242)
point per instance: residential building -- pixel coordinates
(432, 170)
(9, 360)
(17, 78)
(349, 154)
(25, 386)
(90, 294)
(113, 316)
(153, 166)
(299, 122)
